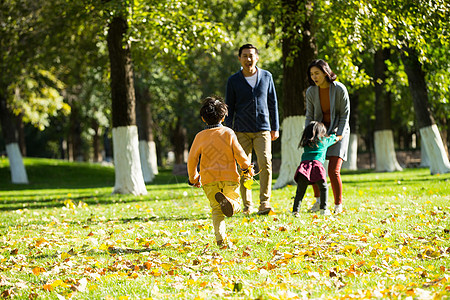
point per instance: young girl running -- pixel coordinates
(311, 169)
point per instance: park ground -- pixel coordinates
(65, 236)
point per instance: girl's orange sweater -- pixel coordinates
(218, 150)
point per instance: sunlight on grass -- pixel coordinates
(70, 238)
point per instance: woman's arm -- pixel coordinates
(344, 109)
(309, 106)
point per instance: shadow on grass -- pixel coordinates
(402, 180)
(53, 182)
(407, 177)
(58, 174)
(163, 219)
(92, 222)
(55, 200)
(110, 251)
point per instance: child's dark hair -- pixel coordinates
(312, 134)
(213, 110)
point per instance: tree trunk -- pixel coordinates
(147, 146)
(444, 133)
(382, 98)
(75, 150)
(290, 152)
(96, 141)
(62, 148)
(108, 155)
(424, 160)
(179, 143)
(21, 133)
(429, 132)
(129, 179)
(352, 157)
(298, 51)
(10, 134)
(448, 137)
(385, 159)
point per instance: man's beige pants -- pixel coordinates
(261, 142)
(230, 190)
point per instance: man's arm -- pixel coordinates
(230, 101)
(272, 103)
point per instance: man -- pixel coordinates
(253, 115)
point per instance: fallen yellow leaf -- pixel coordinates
(38, 270)
(48, 287)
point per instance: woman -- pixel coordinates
(327, 101)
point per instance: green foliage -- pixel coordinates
(185, 50)
(170, 30)
(34, 42)
(349, 32)
(36, 97)
(179, 83)
(19, 35)
(72, 238)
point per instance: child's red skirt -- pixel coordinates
(313, 170)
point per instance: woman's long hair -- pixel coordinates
(312, 134)
(324, 67)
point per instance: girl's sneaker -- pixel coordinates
(337, 209)
(315, 207)
(295, 214)
(325, 212)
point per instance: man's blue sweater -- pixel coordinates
(252, 109)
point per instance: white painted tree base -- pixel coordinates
(18, 172)
(129, 179)
(291, 154)
(149, 165)
(386, 160)
(424, 161)
(434, 148)
(352, 155)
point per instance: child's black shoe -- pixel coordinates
(225, 205)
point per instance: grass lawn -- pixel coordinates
(64, 236)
